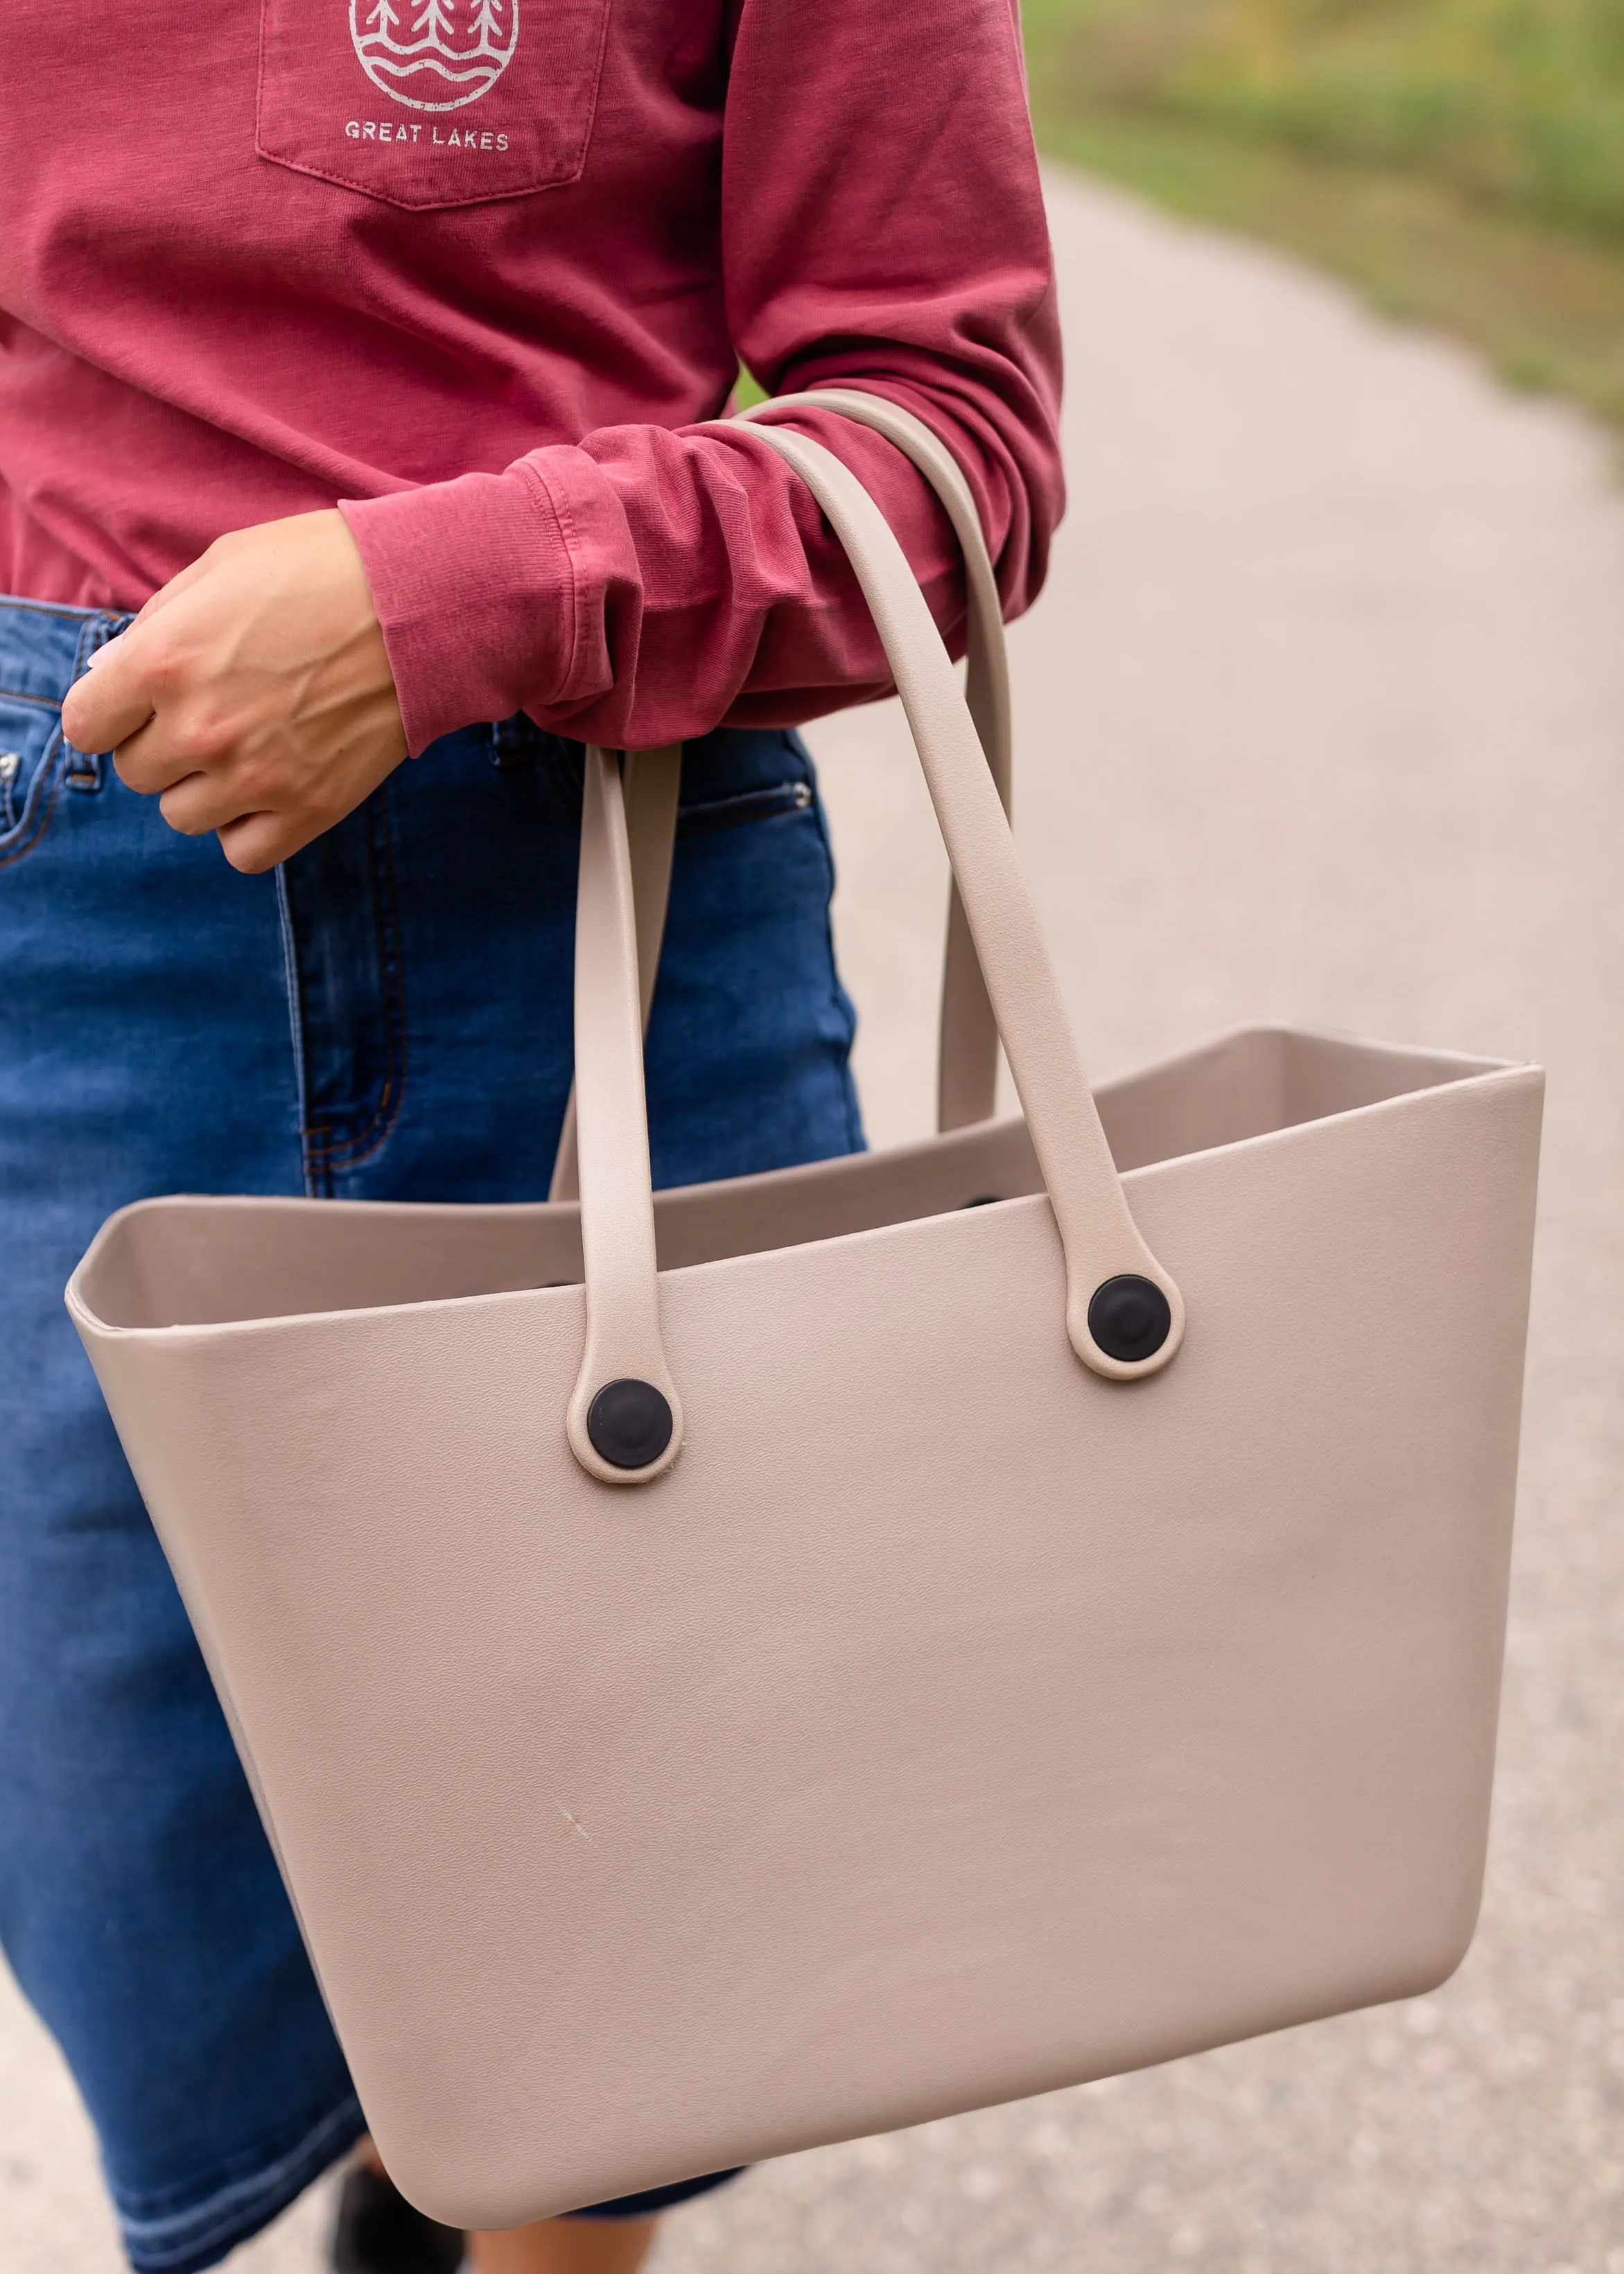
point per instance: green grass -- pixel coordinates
(1518, 103)
(1460, 161)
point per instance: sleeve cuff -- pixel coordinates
(475, 591)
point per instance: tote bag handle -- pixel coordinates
(967, 1051)
(624, 1418)
(653, 785)
(967, 1058)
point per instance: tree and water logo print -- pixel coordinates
(434, 55)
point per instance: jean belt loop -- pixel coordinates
(87, 768)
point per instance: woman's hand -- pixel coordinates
(251, 696)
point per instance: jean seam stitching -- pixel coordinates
(770, 803)
(64, 608)
(53, 751)
(295, 1018)
(350, 1152)
(242, 2201)
(840, 1001)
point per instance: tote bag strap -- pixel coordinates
(625, 1419)
(967, 1056)
(653, 783)
(968, 1060)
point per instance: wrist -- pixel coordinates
(473, 588)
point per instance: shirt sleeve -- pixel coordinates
(883, 227)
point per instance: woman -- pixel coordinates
(361, 345)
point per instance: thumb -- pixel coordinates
(111, 701)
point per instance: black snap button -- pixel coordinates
(1130, 1318)
(629, 1423)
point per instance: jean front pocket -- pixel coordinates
(431, 103)
(32, 760)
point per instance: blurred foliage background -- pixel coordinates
(1462, 160)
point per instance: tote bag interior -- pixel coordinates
(949, 1721)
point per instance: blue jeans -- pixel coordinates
(387, 1017)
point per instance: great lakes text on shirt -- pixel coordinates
(381, 129)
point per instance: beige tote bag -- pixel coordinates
(897, 1655)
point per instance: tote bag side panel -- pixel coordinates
(949, 1725)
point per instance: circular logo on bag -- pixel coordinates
(434, 55)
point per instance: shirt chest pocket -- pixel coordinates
(431, 103)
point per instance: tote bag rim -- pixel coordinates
(1493, 1073)
(1472, 1067)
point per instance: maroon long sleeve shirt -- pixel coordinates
(477, 269)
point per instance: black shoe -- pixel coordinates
(379, 2233)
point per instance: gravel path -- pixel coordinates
(1322, 716)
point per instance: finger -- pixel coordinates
(112, 701)
(156, 759)
(201, 801)
(258, 841)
